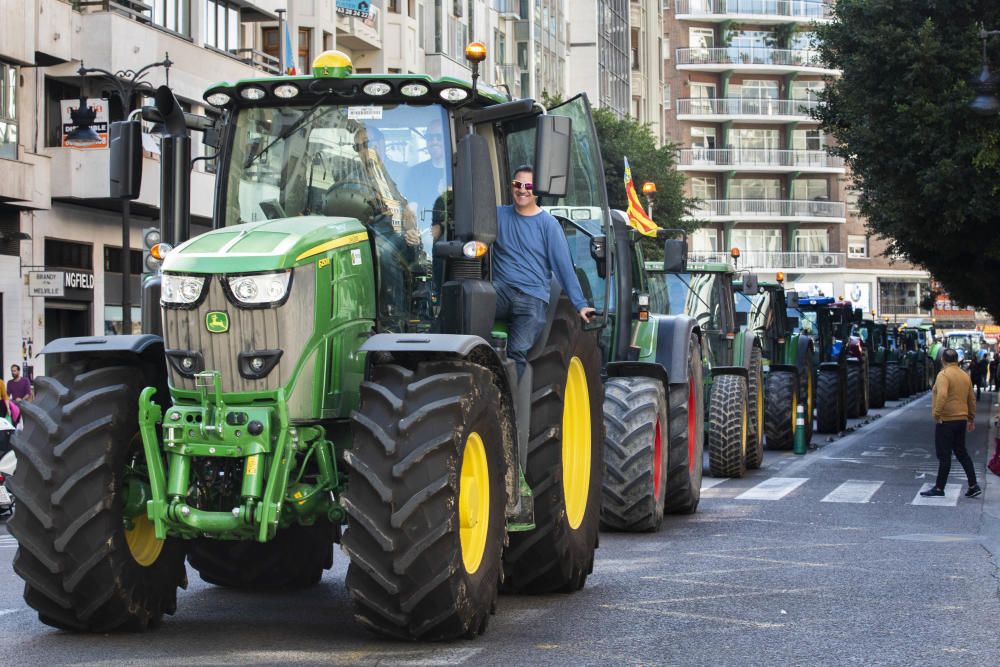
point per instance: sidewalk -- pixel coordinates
(989, 528)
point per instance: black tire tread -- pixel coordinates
(828, 401)
(779, 422)
(755, 394)
(683, 475)
(728, 400)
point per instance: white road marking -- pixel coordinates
(4, 612)
(774, 488)
(950, 498)
(853, 491)
(709, 482)
(728, 621)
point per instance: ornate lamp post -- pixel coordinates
(126, 83)
(985, 103)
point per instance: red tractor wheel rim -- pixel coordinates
(657, 460)
(692, 424)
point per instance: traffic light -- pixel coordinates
(150, 238)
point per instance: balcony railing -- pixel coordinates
(797, 9)
(701, 106)
(258, 60)
(763, 259)
(769, 208)
(753, 158)
(736, 55)
(510, 75)
(509, 8)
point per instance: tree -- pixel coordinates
(928, 169)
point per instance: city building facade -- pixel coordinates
(744, 78)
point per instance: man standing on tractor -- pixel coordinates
(530, 247)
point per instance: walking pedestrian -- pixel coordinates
(19, 387)
(954, 412)
(979, 371)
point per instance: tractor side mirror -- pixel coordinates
(792, 299)
(552, 143)
(475, 192)
(125, 144)
(599, 253)
(675, 255)
(750, 284)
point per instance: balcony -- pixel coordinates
(507, 9)
(359, 34)
(759, 160)
(755, 11)
(775, 261)
(746, 110)
(752, 59)
(769, 210)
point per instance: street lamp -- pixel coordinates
(126, 83)
(985, 103)
(649, 189)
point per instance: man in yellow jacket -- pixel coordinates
(954, 411)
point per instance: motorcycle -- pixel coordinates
(8, 463)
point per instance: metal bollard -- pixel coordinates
(800, 445)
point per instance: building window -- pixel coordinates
(857, 245)
(393, 6)
(755, 89)
(174, 15)
(701, 38)
(635, 48)
(812, 240)
(852, 201)
(113, 260)
(755, 188)
(705, 240)
(806, 90)
(807, 140)
(68, 255)
(704, 187)
(757, 240)
(667, 95)
(222, 25)
(305, 48)
(810, 188)
(327, 41)
(8, 111)
(749, 139)
(897, 297)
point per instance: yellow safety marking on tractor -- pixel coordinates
(331, 245)
(760, 407)
(473, 503)
(252, 465)
(576, 443)
(323, 262)
(142, 542)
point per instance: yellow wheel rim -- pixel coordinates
(576, 443)
(142, 542)
(795, 411)
(473, 503)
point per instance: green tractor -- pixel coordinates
(653, 397)
(788, 361)
(918, 365)
(732, 359)
(873, 335)
(327, 356)
(896, 385)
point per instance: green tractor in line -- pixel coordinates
(896, 385)
(919, 366)
(874, 336)
(327, 356)
(787, 357)
(653, 396)
(732, 359)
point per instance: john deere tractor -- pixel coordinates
(787, 358)
(873, 335)
(327, 357)
(733, 361)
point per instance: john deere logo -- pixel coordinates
(217, 322)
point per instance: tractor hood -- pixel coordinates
(269, 245)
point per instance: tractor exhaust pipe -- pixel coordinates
(175, 170)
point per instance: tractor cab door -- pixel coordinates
(583, 211)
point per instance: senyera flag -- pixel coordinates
(637, 217)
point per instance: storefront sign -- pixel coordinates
(859, 294)
(79, 280)
(46, 283)
(354, 7)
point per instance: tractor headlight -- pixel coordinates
(259, 289)
(181, 291)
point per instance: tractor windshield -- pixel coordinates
(694, 295)
(809, 323)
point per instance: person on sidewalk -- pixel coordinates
(954, 411)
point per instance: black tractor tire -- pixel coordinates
(876, 382)
(854, 390)
(687, 436)
(892, 382)
(828, 401)
(635, 454)
(728, 426)
(295, 558)
(559, 554)
(79, 445)
(755, 402)
(843, 397)
(865, 395)
(412, 430)
(780, 406)
(807, 392)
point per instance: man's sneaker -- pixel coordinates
(974, 492)
(932, 492)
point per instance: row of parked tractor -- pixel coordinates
(775, 366)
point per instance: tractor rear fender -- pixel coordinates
(652, 370)
(829, 366)
(673, 340)
(784, 368)
(139, 347)
(413, 347)
(729, 370)
(803, 353)
(743, 348)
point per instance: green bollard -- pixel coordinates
(800, 446)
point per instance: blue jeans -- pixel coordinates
(525, 315)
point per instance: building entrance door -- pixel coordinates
(67, 318)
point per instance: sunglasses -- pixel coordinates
(519, 185)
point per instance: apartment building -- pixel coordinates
(646, 49)
(744, 76)
(599, 53)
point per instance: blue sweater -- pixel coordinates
(528, 250)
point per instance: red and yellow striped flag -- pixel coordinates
(637, 217)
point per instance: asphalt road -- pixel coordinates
(821, 559)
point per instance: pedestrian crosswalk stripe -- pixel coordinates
(949, 499)
(774, 488)
(853, 491)
(708, 483)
